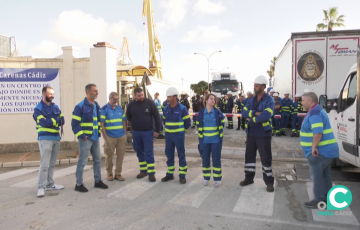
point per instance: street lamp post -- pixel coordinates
(208, 59)
(182, 81)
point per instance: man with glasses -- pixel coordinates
(85, 125)
(113, 123)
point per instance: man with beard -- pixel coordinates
(141, 112)
(258, 112)
(87, 128)
(49, 119)
(176, 120)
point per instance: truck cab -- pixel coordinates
(224, 82)
(343, 113)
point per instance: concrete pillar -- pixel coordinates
(67, 87)
(103, 72)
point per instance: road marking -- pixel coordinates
(135, 189)
(254, 199)
(16, 173)
(348, 219)
(57, 174)
(194, 194)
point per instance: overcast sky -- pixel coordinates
(249, 33)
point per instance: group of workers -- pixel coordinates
(89, 121)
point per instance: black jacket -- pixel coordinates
(141, 115)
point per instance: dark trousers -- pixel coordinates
(230, 121)
(143, 143)
(263, 144)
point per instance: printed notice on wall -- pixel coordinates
(21, 89)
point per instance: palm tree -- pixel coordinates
(331, 20)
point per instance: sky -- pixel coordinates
(249, 33)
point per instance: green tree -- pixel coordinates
(331, 20)
(200, 87)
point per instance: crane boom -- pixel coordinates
(154, 44)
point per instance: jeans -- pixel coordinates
(49, 151)
(320, 175)
(86, 147)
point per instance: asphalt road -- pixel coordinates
(139, 204)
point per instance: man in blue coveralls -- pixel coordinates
(286, 104)
(176, 120)
(258, 112)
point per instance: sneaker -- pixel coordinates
(182, 180)
(312, 204)
(196, 132)
(41, 192)
(152, 178)
(167, 178)
(217, 183)
(270, 188)
(246, 182)
(101, 185)
(81, 188)
(206, 182)
(55, 187)
(141, 175)
(119, 178)
(110, 177)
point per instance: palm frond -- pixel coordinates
(333, 12)
(321, 26)
(326, 17)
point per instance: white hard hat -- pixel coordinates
(229, 92)
(171, 92)
(262, 80)
(298, 95)
(202, 96)
(307, 90)
(272, 91)
(286, 92)
(275, 95)
(249, 92)
(194, 95)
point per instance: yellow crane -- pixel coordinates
(154, 44)
(124, 55)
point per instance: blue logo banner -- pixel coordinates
(33, 75)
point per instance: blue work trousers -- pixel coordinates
(296, 119)
(177, 140)
(143, 143)
(284, 121)
(214, 150)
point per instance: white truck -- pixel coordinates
(224, 82)
(343, 111)
(317, 61)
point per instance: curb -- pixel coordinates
(37, 163)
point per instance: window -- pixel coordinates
(349, 92)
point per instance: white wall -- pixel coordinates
(283, 71)
(74, 74)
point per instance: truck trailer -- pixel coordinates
(318, 61)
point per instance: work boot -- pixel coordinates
(283, 134)
(246, 182)
(182, 180)
(141, 175)
(297, 135)
(293, 135)
(238, 128)
(161, 137)
(110, 177)
(193, 127)
(101, 185)
(167, 178)
(152, 178)
(230, 127)
(312, 204)
(81, 188)
(278, 134)
(270, 188)
(119, 178)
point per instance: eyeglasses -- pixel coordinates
(115, 99)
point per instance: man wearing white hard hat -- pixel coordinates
(277, 115)
(286, 104)
(258, 112)
(176, 120)
(229, 109)
(296, 108)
